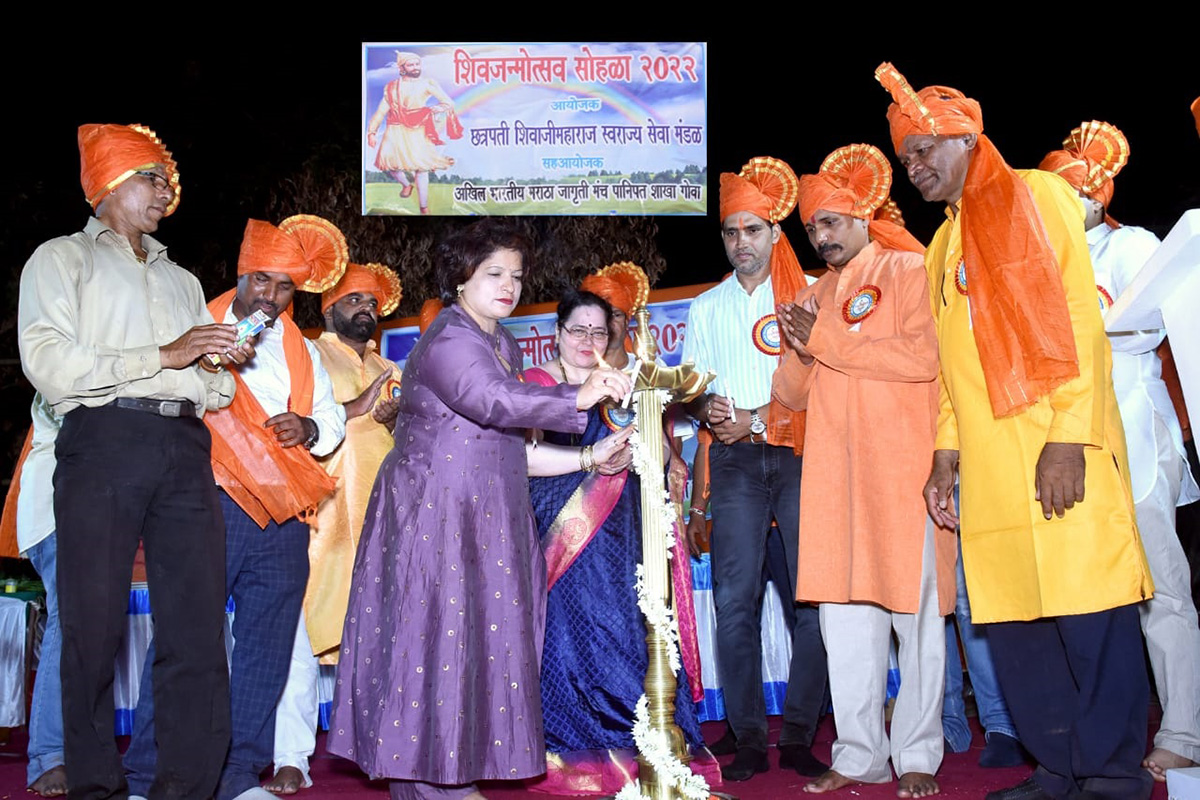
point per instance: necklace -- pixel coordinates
(563, 369)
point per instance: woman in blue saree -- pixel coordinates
(594, 660)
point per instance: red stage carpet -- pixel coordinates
(960, 776)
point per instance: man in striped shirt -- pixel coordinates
(755, 474)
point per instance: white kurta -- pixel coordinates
(1161, 480)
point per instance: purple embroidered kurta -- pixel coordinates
(438, 680)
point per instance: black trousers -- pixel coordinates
(751, 484)
(124, 475)
(1078, 693)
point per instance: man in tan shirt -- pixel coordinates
(116, 337)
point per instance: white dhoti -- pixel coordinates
(296, 714)
(857, 640)
(1169, 618)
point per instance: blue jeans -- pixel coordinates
(993, 712)
(45, 713)
(751, 483)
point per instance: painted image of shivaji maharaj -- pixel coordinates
(408, 150)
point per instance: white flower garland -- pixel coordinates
(656, 749)
(659, 617)
(661, 505)
(654, 745)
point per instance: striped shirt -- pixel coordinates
(720, 336)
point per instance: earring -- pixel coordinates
(459, 290)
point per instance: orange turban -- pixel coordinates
(1019, 313)
(1091, 157)
(429, 311)
(373, 279)
(768, 189)
(309, 249)
(1196, 113)
(855, 180)
(111, 154)
(935, 110)
(624, 286)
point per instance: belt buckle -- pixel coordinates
(170, 408)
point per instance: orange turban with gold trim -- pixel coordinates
(623, 285)
(1091, 157)
(1020, 320)
(768, 189)
(111, 154)
(309, 249)
(855, 180)
(373, 279)
(934, 111)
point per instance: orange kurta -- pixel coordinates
(872, 399)
(339, 519)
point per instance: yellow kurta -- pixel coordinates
(339, 518)
(871, 396)
(1020, 566)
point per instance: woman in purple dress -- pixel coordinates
(437, 685)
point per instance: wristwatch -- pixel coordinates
(757, 426)
(312, 438)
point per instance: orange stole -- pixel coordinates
(8, 521)
(267, 481)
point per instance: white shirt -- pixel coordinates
(720, 337)
(35, 501)
(266, 375)
(1118, 254)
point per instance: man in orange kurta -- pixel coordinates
(864, 366)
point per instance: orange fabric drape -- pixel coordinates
(1021, 322)
(266, 480)
(8, 521)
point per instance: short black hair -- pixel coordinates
(460, 254)
(576, 298)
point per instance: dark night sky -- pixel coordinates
(239, 111)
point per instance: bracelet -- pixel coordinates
(587, 462)
(701, 511)
(208, 366)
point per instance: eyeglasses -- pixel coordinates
(158, 181)
(579, 333)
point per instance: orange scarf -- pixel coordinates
(1019, 311)
(9, 547)
(266, 480)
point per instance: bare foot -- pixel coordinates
(1160, 760)
(287, 780)
(917, 784)
(52, 783)
(829, 782)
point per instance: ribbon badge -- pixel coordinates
(960, 278)
(861, 304)
(616, 417)
(1106, 300)
(766, 335)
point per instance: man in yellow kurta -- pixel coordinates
(1029, 420)
(864, 365)
(363, 381)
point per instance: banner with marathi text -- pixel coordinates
(535, 129)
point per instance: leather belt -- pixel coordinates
(164, 408)
(749, 438)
